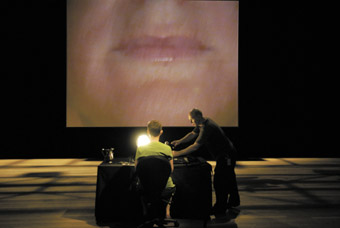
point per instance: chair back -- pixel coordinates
(153, 173)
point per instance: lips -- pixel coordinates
(159, 49)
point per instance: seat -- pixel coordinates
(153, 173)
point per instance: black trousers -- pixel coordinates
(225, 186)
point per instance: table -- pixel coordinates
(117, 198)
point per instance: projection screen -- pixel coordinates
(131, 61)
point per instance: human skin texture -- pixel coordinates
(129, 61)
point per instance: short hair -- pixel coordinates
(154, 127)
(196, 113)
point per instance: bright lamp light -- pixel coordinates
(143, 140)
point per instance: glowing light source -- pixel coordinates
(143, 140)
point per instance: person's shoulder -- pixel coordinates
(164, 146)
(209, 121)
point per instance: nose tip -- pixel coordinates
(164, 11)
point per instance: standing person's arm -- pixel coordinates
(187, 138)
(187, 150)
(201, 138)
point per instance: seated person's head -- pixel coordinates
(154, 128)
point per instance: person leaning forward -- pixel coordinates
(208, 133)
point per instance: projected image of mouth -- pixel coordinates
(162, 49)
(132, 61)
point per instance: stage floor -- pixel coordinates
(275, 193)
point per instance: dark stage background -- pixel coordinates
(274, 86)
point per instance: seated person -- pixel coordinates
(156, 148)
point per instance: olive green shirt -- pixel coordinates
(155, 149)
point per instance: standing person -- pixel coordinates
(156, 148)
(207, 132)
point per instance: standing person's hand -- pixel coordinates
(175, 143)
